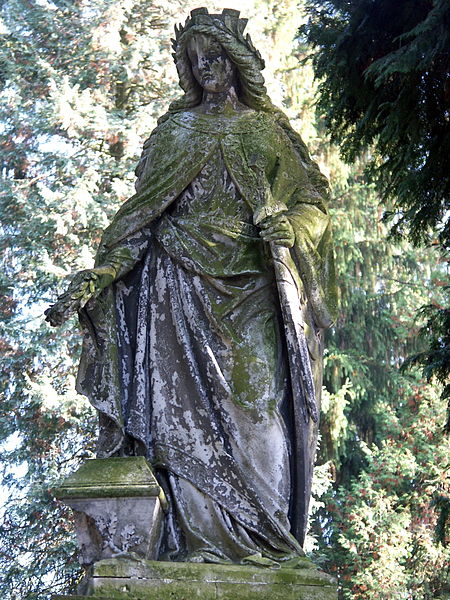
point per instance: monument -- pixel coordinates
(203, 319)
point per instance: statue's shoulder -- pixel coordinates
(163, 137)
(165, 125)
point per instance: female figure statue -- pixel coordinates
(190, 332)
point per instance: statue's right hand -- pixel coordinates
(83, 286)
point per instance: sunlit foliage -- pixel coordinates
(383, 70)
(81, 84)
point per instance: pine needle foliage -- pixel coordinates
(81, 84)
(384, 74)
(382, 528)
(384, 71)
(380, 524)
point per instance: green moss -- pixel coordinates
(223, 591)
(127, 579)
(110, 477)
(305, 573)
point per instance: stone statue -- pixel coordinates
(204, 313)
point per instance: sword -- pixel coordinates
(289, 292)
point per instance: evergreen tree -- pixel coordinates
(382, 436)
(382, 526)
(81, 84)
(384, 71)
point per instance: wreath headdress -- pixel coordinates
(228, 23)
(228, 30)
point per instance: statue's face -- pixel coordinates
(211, 67)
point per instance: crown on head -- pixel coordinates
(229, 17)
(228, 20)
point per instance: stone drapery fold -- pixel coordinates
(117, 370)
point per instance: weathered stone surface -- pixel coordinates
(157, 580)
(203, 319)
(110, 478)
(160, 570)
(117, 506)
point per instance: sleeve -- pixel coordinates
(299, 184)
(123, 257)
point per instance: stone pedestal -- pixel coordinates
(118, 505)
(126, 579)
(118, 508)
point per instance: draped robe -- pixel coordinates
(184, 355)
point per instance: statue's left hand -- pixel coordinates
(83, 286)
(277, 229)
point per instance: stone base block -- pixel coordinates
(127, 579)
(117, 505)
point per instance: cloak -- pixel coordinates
(114, 361)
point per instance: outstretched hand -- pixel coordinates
(83, 286)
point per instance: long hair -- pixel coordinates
(251, 90)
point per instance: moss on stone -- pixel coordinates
(150, 580)
(207, 572)
(110, 477)
(250, 583)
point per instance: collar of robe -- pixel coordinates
(220, 125)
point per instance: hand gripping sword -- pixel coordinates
(289, 292)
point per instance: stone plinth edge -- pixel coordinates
(110, 478)
(118, 508)
(128, 579)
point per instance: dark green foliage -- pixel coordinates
(435, 360)
(382, 70)
(384, 82)
(442, 504)
(381, 541)
(382, 436)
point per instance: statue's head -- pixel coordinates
(211, 53)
